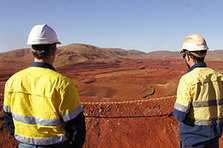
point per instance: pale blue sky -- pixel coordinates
(145, 25)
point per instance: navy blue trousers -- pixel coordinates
(214, 143)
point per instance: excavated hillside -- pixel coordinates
(127, 95)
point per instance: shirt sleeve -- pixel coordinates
(7, 99)
(8, 121)
(183, 101)
(69, 107)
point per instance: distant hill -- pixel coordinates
(15, 59)
(163, 54)
(16, 54)
(72, 54)
(82, 53)
(213, 55)
(216, 55)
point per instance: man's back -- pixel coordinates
(200, 96)
(40, 100)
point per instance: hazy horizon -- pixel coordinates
(159, 50)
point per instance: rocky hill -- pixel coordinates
(82, 53)
(72, 54)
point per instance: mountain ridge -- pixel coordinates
(85, 53)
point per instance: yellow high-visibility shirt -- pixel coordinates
(200, 96)
(41, 100)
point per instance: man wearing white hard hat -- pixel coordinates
(42, 107)
(199, 103)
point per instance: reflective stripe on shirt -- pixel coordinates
(41, 141)
(209, 122)
(7, 109)
(208, 103)
(35, 120)
(180, 107)
(73, 114)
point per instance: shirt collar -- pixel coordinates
(197, 65)
(42, 65)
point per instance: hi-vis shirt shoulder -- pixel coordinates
(40, 101)
(200, 97)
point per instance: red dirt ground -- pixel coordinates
(126, 103)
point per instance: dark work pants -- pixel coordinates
(214, 143)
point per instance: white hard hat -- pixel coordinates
(194, 42)
(42, 34)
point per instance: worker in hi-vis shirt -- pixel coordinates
(41, 106)
(199, 103)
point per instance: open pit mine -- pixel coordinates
(127, 95)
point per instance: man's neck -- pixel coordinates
(43, 61)
(191, 64)
(197, 63)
